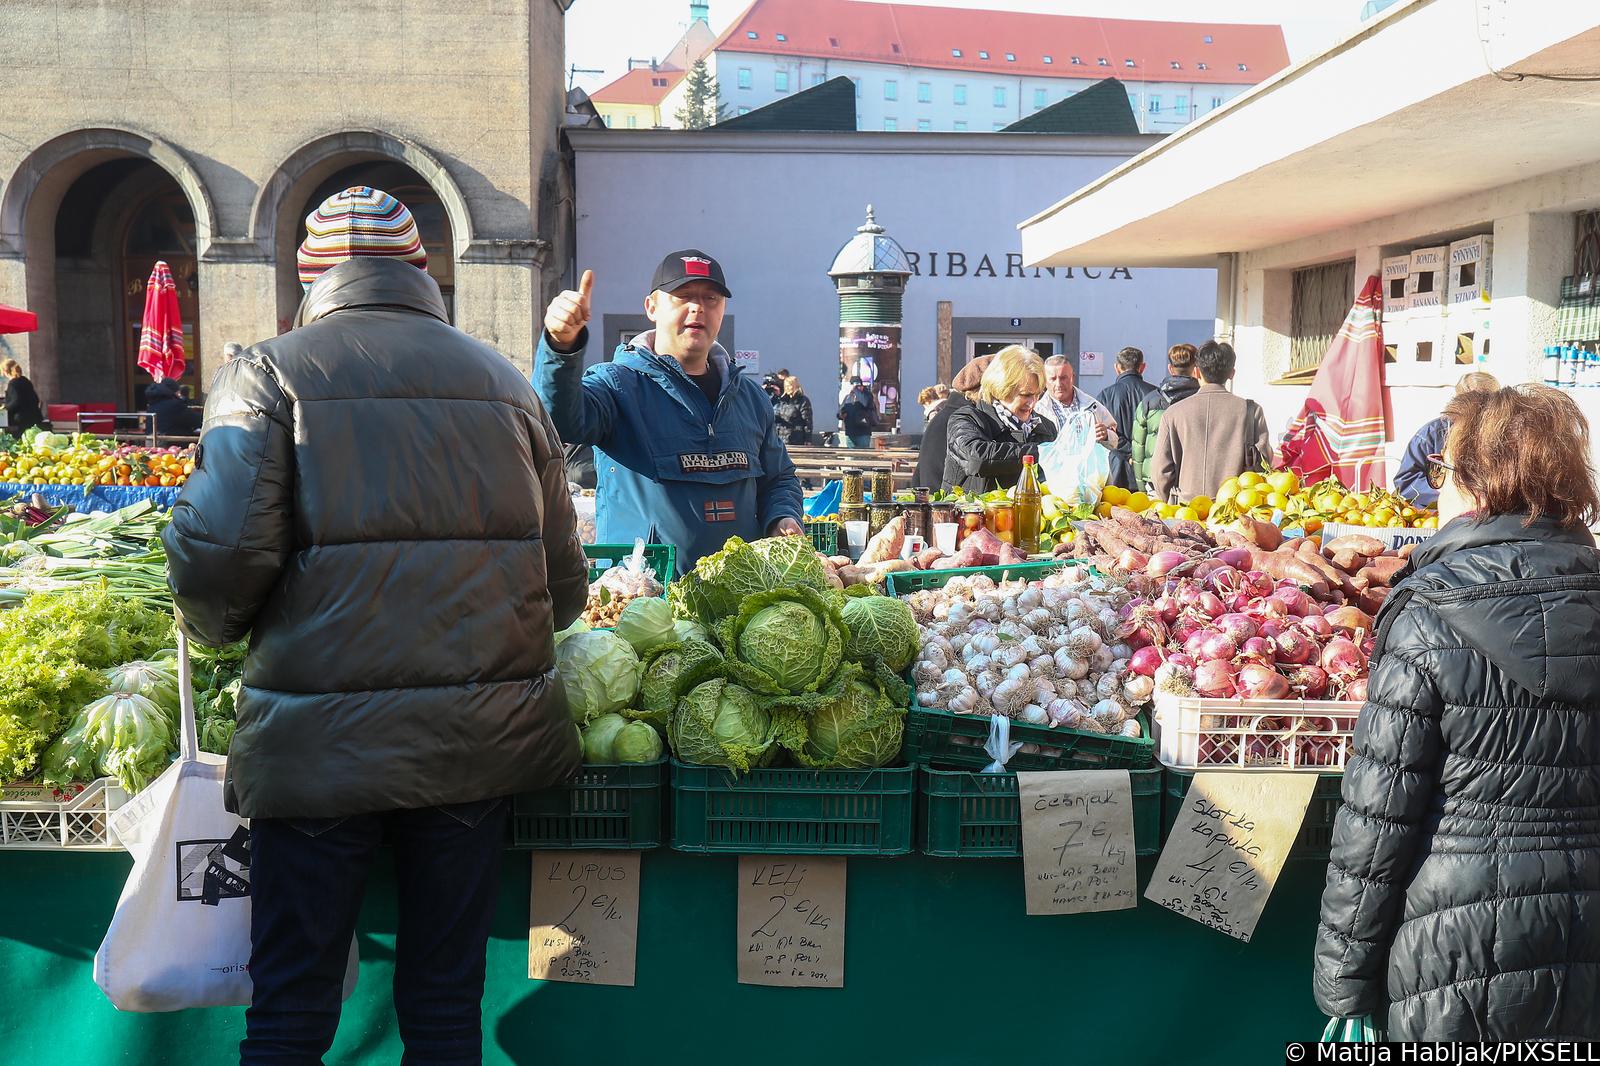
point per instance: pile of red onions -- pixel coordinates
(1236, 634)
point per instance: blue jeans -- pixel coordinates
(861, 442)
(308, 876)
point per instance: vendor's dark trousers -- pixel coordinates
(307, 877)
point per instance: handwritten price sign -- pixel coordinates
(791, 922)
(1077, 841)
(583, 924)
(1228, 846)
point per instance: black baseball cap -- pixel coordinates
(691, 264)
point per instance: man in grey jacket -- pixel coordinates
(379, 502)
(1211, 436)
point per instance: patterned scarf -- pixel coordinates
(1016, 425)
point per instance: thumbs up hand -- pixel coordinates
(568, 313)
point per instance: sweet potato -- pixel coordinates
(1313, 558)
(1263, 535)
(1349, 560)
(1292, 544)
(1405, 550)
(1287, 565)
(1368, 546)
(1137, 523)
(1190, 530)
(887, 544)
(1232, 538)
(1372, 599)
(1010, 553)
(926, 558)
(1380, 571)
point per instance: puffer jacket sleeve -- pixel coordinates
(582, 406)
(565, 564)
(1388, 784)
(977, 453)
(232, 528)
(1146, 421)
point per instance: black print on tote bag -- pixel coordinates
(214, 870)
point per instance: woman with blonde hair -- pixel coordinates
(23, 410)
(988, 438)
(1464, 881)
(792, 411)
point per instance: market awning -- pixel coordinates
(1424, 104)
(16, 320)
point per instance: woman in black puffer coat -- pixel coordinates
(986, 440)
(1463, 891)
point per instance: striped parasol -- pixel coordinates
(161, 330)
(1340, 430)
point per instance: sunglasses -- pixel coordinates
(1436, 470)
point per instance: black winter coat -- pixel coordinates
(23, 411)
(1122, 398)
(1464, 886)
(793, 415)
(859, 412)
(379, 501)
(936, 444)
(985, 453)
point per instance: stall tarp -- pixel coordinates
(1340, 430)
(96, 498)
(16, 320)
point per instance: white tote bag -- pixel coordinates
(180, 936)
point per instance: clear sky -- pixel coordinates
(604, 34)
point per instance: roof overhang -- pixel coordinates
(1419, 107)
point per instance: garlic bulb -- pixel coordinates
(1034, 714)
(1138, 688)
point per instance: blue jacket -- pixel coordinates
(1411, 481)
(671, 467)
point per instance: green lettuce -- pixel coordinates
(600, 672)
(720, 582)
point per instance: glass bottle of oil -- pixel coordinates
(1027, 507)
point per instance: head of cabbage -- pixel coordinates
(881, 628)
(600, 672)
(718, 723)
(669, 671)
(861, 729)
(721, 581)
(600, 737)
(787, 641)
(646, 623)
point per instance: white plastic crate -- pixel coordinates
(1193, 733)
(38, 818)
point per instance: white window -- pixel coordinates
(753, 35)
(818, 79)
(606, 119)
(1216, 102)
(960, 126)
(1202, 66)
(1011, 57)
(1076, 61)
(955, 52)
(891, 125)
(1048, 60)
(983, 55)
(1243, 68)
(1040, 98)
(781, 37)
(1103, 61)
(891, 90)
(744, 78)
(924, 126)
(1155, 104)
(999, 96)
(780, 81)
(1208, 38)
(924, 92)
(960, 94)
(1127, 62)
(1176, 65)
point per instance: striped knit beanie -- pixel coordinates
(358, 221)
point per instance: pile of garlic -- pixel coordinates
(1046, 652)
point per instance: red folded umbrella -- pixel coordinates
(161, 330)
(16, 320)
(1340, 430)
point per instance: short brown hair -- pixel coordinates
(1181, 356)
(1523, 450)
(932, 393)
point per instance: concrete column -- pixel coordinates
(498, 298)
(1532, 253)
(238, 302)
(1369, 263)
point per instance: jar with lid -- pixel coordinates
(973, 518)
(882, 486)
(881, 514)
(854, 488)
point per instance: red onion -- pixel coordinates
(1294, 647)
(1257, 681)
(1238, 626)
(1161, 562)
(1294, 601)
(1210, 644)
(1141, 625)
(1342, 659)
(1310, 681)
(1167, 607)
(1258, 648)
(1188, 593)
(1215, 679)
(1238, 558)
(1367, 646)
(1224, 580)
(1178, 658)
(1209, 604)
(1185, 627)
(1271, 627)
(1317, 626)
(1356, 690)
(1132, 561)
(1146, 661)
(1350, 620)
(1257, 584)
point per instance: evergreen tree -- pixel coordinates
(702, 100)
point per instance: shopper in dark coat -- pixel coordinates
(380, 503)
(858, 414)
(23, 410)
(1122, 398)
(935, 435)
(1464, 885)
(793, 413)
(174, 416)
(988, 439)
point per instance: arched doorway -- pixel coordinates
(114, 221)
(411, 189)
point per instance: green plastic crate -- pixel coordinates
(793, 811)
(905, 582)
(949, 741)
(824, 534)
(613, 808)
(967, 815)
(662, 558)
(1315, 838)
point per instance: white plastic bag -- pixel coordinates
(180, 936)
(1075, 465)
(999, 747)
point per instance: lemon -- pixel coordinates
(1277, 500)
(1104, 510)
(1138, 501)
(1188, 514)
(1248, 500)
(1115, 495)
(1229, 487)
(1168, 510)
(1284, 481)
(1250, 479)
